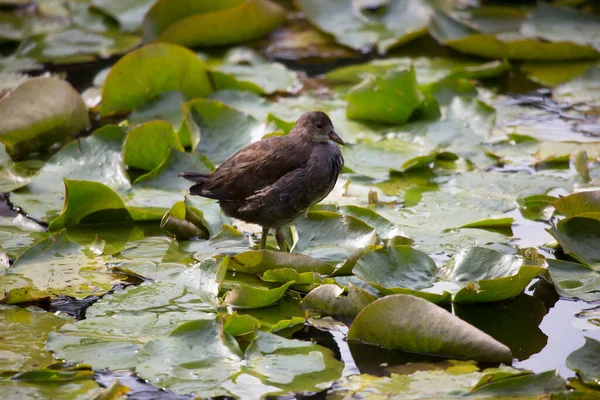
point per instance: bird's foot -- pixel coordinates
(263, 238)
(283, 245)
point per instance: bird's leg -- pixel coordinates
(263, 238)
(283, 246)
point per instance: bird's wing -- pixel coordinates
(254, 168)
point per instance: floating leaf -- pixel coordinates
(183, 222)
(224, 130)
(260, 261)
(488, 275)
(24, 332)
(579, 237)
(90, 203)
(536, 207)
(459, 36)
(354, 25)
(490, 223)
(129, 13)
(390, 99)
(574, 280)
(147, 145)
(212, 23)
(578, 203)
(400, 270)
(242, 296)
(77, 45)
(329, 300)
(39, 113)
(145, 73)
(416, 325)
(57, 265)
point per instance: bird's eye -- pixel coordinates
(319, 126)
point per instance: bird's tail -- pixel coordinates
(198, 177)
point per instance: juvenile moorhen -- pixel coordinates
(273, 181)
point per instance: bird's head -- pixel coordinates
(317, 127)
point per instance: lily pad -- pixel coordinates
(390, 99)
(329, 299)
(579, 237)
(145, 73)
(24, 332)
(575, 280)
(147, 145)
(400, 270)
(466, 39)
(90, 203)
(57, 265)
(356, 26)
(416, 325)
(585, 361)
(39, 113)
(488, 275)
(224, 130)
(129, 13)
(578, 203)
(260, 261)
(183, 222)
(242, 296)
(95, 158)
(212, 23)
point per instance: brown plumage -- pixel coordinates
(273, 181)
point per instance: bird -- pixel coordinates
(273, 181)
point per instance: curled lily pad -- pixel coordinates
(330, 299)
(183, 222)
(416, 325)
(90, 203)
(243, 296)
(39, 113)
(212, 23)
(145, 73)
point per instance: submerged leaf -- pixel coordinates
(416, 325)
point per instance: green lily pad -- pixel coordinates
(242, 296)
(129, 13)
(466, 39)
(145, 73)
(585, 362)
(575, 280)
(52, 384)
(524, 384)
(261, 261)
(147, 146)
(356, 26)
(24, 332)
(212, 23)
(39, 113)
(328, 299)
(14, 175)
(578, 203)
(400, 270)
(488, 275)
(224, 130)
(90, 203)
(579, 237)
(166, 106)
(56, 265)
(183, 222)
(553, 74)
(491, 223)
(427, 70)
(228, 241)
(282, 317)
(95, 158)
(536, 207)
(390, 99)
(396, 321)
(77, 45)
(19, 233)
(582, 89)
(243, 69)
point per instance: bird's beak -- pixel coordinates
(334, 136)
